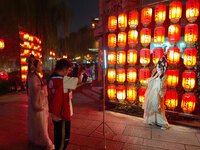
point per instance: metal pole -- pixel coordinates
(104, 98)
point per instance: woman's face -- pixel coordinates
(39, 67)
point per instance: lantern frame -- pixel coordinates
(145, 56)
(188, 102)
(159, 35)
(171, 99)
(132, 57)
(146, 16)
(192, 10)
(112, 23)
(131, 93)
(188, 80)
(160, 14)
(133, 19)
(191, 34)
(175, 11)
(123, 93)
(145, 37)
(190, 57)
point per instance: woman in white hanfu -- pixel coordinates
(154, 110)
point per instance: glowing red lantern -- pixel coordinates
(145, 56)
(159, 34)
(112, 41)
(157, 54)
(190, 57)
(131, 75)
(192, 10)
(93, 25)
(40, 74)
(160, 14)
(175, 11)
(2, 45)
(121, 92)
(142, 92)
(132, 57)
(111, 58)
(133, 19)
(111, 75)
(23, 60)
(24, 68)
(144, 76)
(112, 23)
(172, 78)
(174, 33)
(132, 37)
(121, 75)
(122, 21)
(122, 40)
(23, 77)
(145, 37)
(173, 55)
(121, 57)
(191, 34)
(111, 91)
(171, 99)
(131, 93)
(146, 16)
(188, 102)
(188, 80)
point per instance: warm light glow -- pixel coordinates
(146, 16)
(65, 56)
(157, 54)
(190, 57)
(132, 37)
(23, 60)
(121, 92)
(131, 75)
(173, 55)
(171, 99)
(132, 57)
(111, 75)
(112, 41)
(145, 37)
(121, 57)
(122, 21)
(24, 68)
(133, 20)
(122, 40)
(188, 102)
(111, 58)
(174, 33)
(112, 23)
(159, 34)
(145, 56)
(23, 77)
(192, 10)
(93, 25)
(175, 11)
(160, 14)
(52, 53)
(41, 74)
(172, 78)
(131, 93)
(111, 91)
(2, 45)
(121, 75)
(144, 75)
(141, 95)
(191, 34)
(188, 80)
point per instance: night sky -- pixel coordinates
(83, 12)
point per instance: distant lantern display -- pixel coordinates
(160, 14)
(132, 38)
(121, 75)
(175, 11)
(121, 92)
(122, 21)
(145, 37)
(122, 40)
(111, 58)
(171, 99)
(190, 57)
(144, 75)
(131, 93)
(146, 16)
(112, 23)
(157, 54)
(111, 75)
(132, 57)
(112, 41)
(131, 75)
(133, 19)
(188, 80)
(145, 56)
(121, 57)
(191, 34)
(172, 78)
(111, 91)
(188, 102)
(174, 33)
(2, 45)
(142, 95)
(192, 10)
(159, 34)
(173, 55)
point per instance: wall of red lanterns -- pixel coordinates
(123, 38)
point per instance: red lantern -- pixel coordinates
(173, 55)
(122, 40)
(23, 60)
(191, 34)
(121, 75)
(2, 45)
(131, 75)
(142, 92)
(111, 58)
(23, 77)
(24, 69)
(190, 57)
(144, 76)
(93, 25)
(111, 75)
(192, 10)
(160, 14)
(172, 77)
(145, 37)
(112, 41)
(157, 54)
(171, 99)
(175, 11)
(121, 57)
(174, 33)
(133, 19)
(122, 21)
(132, 57)
(111, 91)
(131, 93)
(188, 80)
(40, 74)
(132, 37)
(146, 16)
(112, 23)
(121, 92)
(188, 102)
(145, 56)
(159, 34)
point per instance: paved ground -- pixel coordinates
(129, 132)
